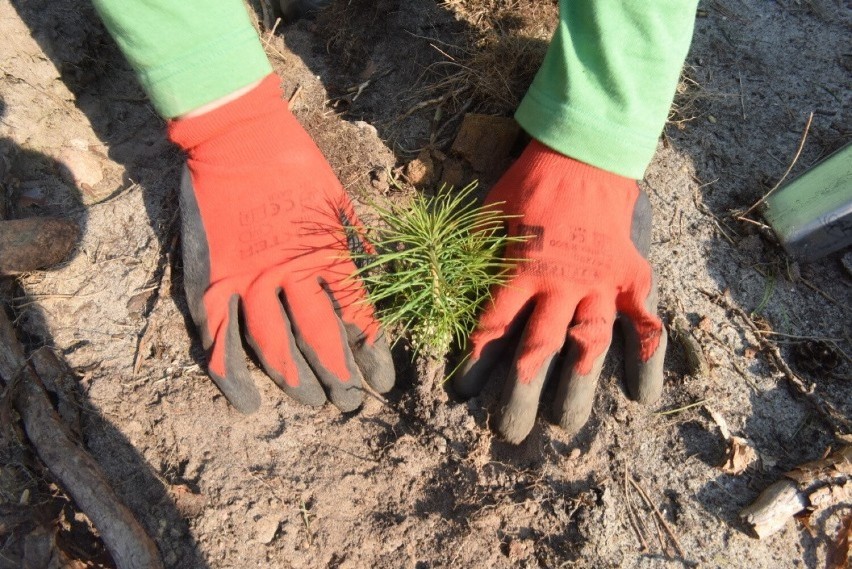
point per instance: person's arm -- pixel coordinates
(595, 111)
(604, 90)
(186, 53)
(265, 262)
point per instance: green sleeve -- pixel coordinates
(186, 53)
(603, 92)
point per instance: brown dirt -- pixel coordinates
(419, 480)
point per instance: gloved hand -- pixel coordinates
(589, 232)
(263, 219)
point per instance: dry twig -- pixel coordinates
(669, 531)
(634, 523)
(839, 423)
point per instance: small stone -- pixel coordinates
(575, 454)
(380, 184)
(366, 128)
(441, 444)
(711, 119)
(267, 529)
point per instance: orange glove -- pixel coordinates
(589, 233)
(263, 236)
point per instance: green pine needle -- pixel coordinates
(437, 261)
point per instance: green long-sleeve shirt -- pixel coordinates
(601, 96)
(186, 53)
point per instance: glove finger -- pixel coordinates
(270, 335)
(227, 362)
(366, 340)
(543, 338)
(590, 336)
(645, 342)
(489, 340)
(373, 358)
(321, 337)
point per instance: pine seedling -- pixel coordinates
(436, 262)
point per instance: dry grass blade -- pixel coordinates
(742, 217)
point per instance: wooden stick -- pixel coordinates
(75, 469)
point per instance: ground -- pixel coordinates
(419, 479)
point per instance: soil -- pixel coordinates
(418, 479)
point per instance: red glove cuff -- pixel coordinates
(540, 158)
(241, 130)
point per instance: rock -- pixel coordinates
(366, 128)
(267, 529)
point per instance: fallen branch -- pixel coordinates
(810, 487)
(74, 468)
(839, 423)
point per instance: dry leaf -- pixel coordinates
(804, 518)
(739, 455)
(836, 465)
(831, 495)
